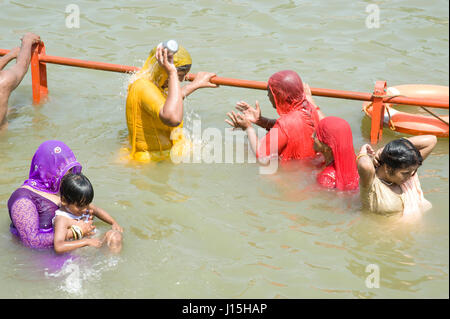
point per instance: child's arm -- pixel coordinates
(88, 228)
(62, 224)
(103, 215)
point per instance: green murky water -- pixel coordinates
(223, 230)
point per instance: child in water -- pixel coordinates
(76, 197)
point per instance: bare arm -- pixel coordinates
(242, 122)
(366, 168)
(171, 113)
(202, 80)
(60, 244)
(265, 122)
(311, 100)
(104, 216)
(12, 77)
(424, 143)
(4, 60)
(253, 114)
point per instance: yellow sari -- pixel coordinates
(150, 138)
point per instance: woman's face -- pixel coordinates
(181, 76)
(319, 146)
(400, 175)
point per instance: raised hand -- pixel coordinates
(31, 38)
(253, 114)
(203, 80)
(238, 121)
(165, 59)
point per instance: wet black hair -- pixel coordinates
(76, 189)
(400, 154)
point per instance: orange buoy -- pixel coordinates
(415, 124)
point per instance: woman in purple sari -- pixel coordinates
(32, 206)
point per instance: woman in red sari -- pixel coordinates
(293, 130)
(333, 138)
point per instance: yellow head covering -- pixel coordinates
(146, 131)
(156, 72)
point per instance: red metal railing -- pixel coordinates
(378, 97)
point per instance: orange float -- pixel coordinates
(415, 124)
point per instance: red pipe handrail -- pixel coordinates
(259, 85)
(349, 95)
(378, 97)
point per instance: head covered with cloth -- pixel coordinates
(150, 138)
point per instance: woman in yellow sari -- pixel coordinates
(154, 107)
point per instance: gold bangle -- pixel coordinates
(73, 233)
(78, 231)
(361, 155)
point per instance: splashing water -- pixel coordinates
(190, 116)
(75, 274)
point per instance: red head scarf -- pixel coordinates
(337, 134)
(298, 117)
(287, 90)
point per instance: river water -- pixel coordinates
(221, 230)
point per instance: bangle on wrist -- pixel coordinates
(361, 155)
(74, 234)
(77, 230)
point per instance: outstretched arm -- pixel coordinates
(202, 80)
(270, 145)
(4, 60)
(254, 115)
(12, 77)
(104, 216)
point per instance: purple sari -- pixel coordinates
(30, 213)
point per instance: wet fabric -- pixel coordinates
(297, 120)
(337, 134)
(327, 177)
(150, 138)
(380, 199)
(413, 200)
(49, 164)
(31, 214)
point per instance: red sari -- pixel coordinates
(298, 119)
(342, 173)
